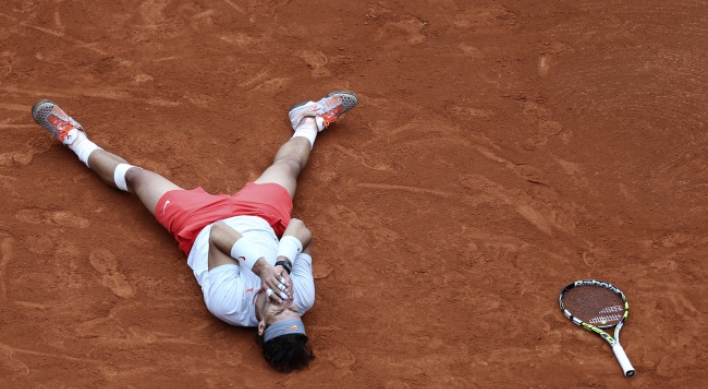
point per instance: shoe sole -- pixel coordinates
(41, 111)
(349, 101)
(39, 114)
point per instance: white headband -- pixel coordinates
(290, 326)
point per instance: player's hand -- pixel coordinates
(288, 282)
(274, 283)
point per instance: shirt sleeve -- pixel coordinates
(224, 294)
(303, 282)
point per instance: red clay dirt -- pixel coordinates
(501, 150)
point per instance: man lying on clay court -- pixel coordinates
(248, 276)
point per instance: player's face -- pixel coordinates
(275, 312)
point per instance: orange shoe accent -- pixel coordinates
(53, 119)
(326, 111)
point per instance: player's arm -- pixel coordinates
(228, 246)
(222, 239)
(296, 237)
(297, 229)
(303, 280)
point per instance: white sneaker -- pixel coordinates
(326, 111)
(53, 119)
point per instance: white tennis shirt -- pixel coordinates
(230, 290)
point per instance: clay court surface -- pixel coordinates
(501, 150)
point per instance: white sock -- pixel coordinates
(320, 123)
(80, 144)
(307, 129)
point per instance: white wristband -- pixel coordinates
(243, 252)
(289, 247)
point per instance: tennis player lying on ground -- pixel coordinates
(249, 278)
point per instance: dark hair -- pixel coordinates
(286, 353)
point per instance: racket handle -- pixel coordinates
(627, 367)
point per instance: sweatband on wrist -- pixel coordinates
(119, 176)
(285, 327)
(289, 247)
(243, 252)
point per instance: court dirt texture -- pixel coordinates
(500, 150)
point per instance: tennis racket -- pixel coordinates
(596, 305)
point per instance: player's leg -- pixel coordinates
(115, 171)
(289, 161)
(308, 119)
(112, 169)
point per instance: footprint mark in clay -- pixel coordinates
(341, 357)
(316, 60)
(105, 263)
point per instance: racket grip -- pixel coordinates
(627, 367)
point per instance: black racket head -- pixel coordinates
(594, 302)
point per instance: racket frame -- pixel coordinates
(617, 348)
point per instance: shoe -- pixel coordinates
(326, 111)
(53, 119)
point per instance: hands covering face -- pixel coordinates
(276, 283)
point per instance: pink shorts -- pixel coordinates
(186, 212)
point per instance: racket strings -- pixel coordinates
(595, 305)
